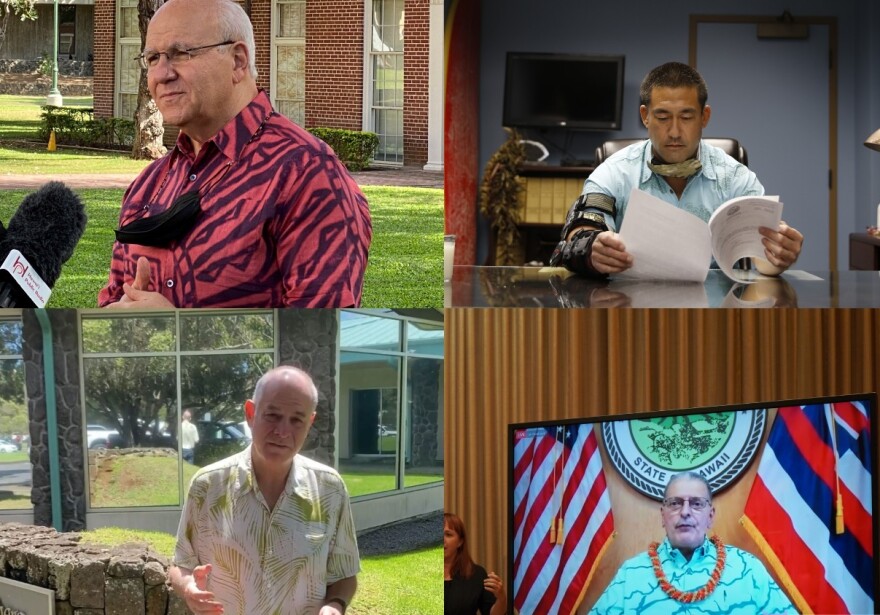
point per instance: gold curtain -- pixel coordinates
(516, 365)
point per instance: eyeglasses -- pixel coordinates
(150, 59)
(675, 504)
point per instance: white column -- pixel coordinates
(435, 88)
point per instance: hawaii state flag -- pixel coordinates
(810, 507)
(562, 517)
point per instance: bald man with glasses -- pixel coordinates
(248, 209)
(690, 571)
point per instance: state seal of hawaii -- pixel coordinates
(648, 451)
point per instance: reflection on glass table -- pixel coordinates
(555, 287)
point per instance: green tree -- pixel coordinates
(13, 417)
(25, 10)
(137, 394)
(130, 394)
(220, 384)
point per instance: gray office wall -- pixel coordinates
(650, 33)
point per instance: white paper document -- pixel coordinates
(668, 243)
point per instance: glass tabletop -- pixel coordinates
(554, 287)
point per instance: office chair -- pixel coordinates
(730, 147)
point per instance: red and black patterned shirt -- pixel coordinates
(282, 223)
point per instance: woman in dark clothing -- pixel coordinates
(468, 590)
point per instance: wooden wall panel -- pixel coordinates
(514, 365)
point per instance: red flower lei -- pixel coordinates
(693, 596)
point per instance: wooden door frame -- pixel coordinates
(831, 22)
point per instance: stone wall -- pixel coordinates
(308, 340)
(65, 342)
(424, 376)
(22, 78)
(72, 68)
(129, 579)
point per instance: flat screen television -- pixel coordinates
(585, 496)
(543, 90)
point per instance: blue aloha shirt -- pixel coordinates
(722, 178)
(745, 588)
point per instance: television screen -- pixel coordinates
(563, 90)
(791, 487)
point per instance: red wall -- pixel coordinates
(462, 134)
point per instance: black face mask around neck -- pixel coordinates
(161, 230)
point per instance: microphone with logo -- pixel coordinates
(41, 237)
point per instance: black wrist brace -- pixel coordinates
(575, 254)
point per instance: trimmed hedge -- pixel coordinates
(355, 149)
(78, 126)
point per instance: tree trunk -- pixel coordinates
(4, 21)
(148, 120)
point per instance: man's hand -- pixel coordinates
(196, 594)
(138, 294)
(607, 298)
(609, 254)
(330, 609)
(781, 246)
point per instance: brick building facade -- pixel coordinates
(335, 63)
(338, 78)
(416, 79)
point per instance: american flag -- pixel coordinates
(810, 507)
(562, 517)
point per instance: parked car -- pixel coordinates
(384, 431)
(8, 447)
(218, 439)
(156, 434)
(99, 436)
(222, 431)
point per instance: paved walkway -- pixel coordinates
(385, 176)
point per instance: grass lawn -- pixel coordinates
(152, 481)
(139, 481)
(372, 481)
(408, 583)
(20, 118)
(406, 257)
(17, 498)
(33, 159)
(404, 270)
(12, 457)
(404, 584)
(405, 263)
(160, 542)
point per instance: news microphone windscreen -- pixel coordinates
(46, 228)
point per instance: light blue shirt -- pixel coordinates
(745, 588)
(721, 179)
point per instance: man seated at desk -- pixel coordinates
(674, 165)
